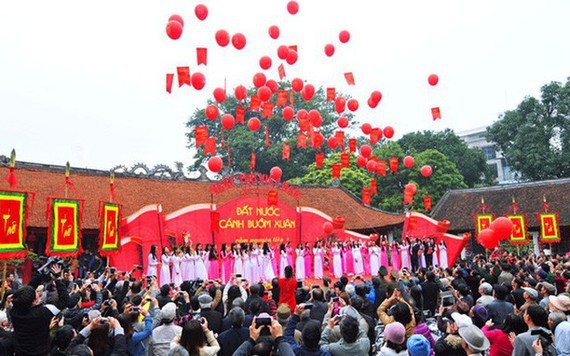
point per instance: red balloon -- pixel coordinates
(282, 52)
(220, 95)
(433, 79)
(201, 12)
(306, 95)
(329, 50)
(292, 57)
(372, 103)
(344, 36)
(297, 84)
(371, 166)
(361, 161)
(365, 151)
(339, 104)
(265, 62)
(272, 84)
(222, 38)
(315, 117)
(409, 162)
(274, 32)
(275, 173)
(388, 132)
(288, 113)
(376, 96)
(174, 29)
(327, 227)
(302, 114)
(342, 122)
(215, 164)
(259, 80)
(310, 88)
(264, 93)
(488, 239)
(253, 124)
(503, 228)
(198, 80)
(228, 121)
(352, 104)
(240, 92)
(411, 188)
(212, 112)
(426, 171)
(367, 129)
(292, 7)
(177, 18)
(239, 41)
(332, 142)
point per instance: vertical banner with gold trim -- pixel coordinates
(549, 228)
(109, 228)
(64, 227)
(482, 222)
(519, 229)
(13, 216)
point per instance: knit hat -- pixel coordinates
(283, 313)
(480, 312)
(560, 302)
(532, 293)
(395, 332)
(168, 311)
(418, 345)
(205, 301)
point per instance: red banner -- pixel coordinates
(169, 80)
(366, 198)
(13, 212)
(482, 221)
(393, 164)
(436, 113)
(519, 229)
(336, 170)
(254, 103)
(345, 160)
(549, 227)
(240, 115)
(352, 145)
(373, 186)
(201, 134)
(331, 94)
(427, 203)
(381, 168)
(281, 97)
(273, 197)
(109, 228)
(286, 152)
(183, 76)
(319, 159)
(64, 227)
(301, 140)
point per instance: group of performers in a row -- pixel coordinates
(263, 262)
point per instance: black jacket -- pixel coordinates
(430, 292)
(214, 319)
(231, 339)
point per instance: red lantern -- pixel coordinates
(222, 38)
(352, 105)
(344, 36)
(274, 32)
(253, 124)
(365, 151)
(332, 142)
(275, 173)
(201, 12)
(239, 41)
(426, 171)
(228, 121)
(292, 57)
(212, 112)
(329, 50)
(220, 95)
(297, 84)
(240, 92)
(388, 132)
(174, 29)
(503, 228)
(342, 122)
(433, 79)
(288, 113)
(376, 96)
(259, 80)
(198, 80)
(176, 18)
(282, 52)
(409, 162)
(327, 227)
(265, 62)
(339, 104)
(315, 117)
(361, 161)
(411, 188)
(215, 164)
(488, 239)
(367, 129)
(264, 93)
(371, 166)
(292, 7)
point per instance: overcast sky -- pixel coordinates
(84, 82)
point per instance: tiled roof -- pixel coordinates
(458, 206)
(135, 193)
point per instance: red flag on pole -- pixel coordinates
(331, 94)
(183, 76)
(210, 146)
(349, 78)
(240, 115)
(393, 164)
(352, 145)
(169, 79)
(202, 56)
(435, 113)
(281, 71)
(336, 170)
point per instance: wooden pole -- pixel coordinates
(4, 267)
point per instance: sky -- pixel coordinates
(84, 81)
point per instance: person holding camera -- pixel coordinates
(400, 311)
(105, 337)
(311, 334)
(536, 319)
(265, 336)
(354, 340)
(197, 339)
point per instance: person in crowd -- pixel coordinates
(353, 339)
(401, 312)
(162, 335)
(506, 277)
(287, 288)
(152, 262)
(310, 334)
(479, 315)
(105, 337)
(263, 339)
(423, 329)
(449, 344)
(255, 294)
(473, 341)
(231, 339)
(546, 291)
(418, 345)
(213, 317)
(536, 319)
(530, 295)
(59, 344)
(430, 293)
(197, 339)
(499, 308)
(518, 292)
(486, 292)
(319, 306)
(560, 327)
(394, 340)
(499, 337)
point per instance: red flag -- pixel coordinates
(339, 135)
(436, 113)
(273, 197)
(254, 103)
(281, 71)
(349, 78)
(331, 94)
(318, 140)
(252, 162)
(375, 135)
(202, 56)
(183, 76)
(215, 221)
(381, 168)
(293, 48)
(301, 140)
(352, 145)
(304, 123)
(427, 203)
(267, 110)
(267, 142)
(169, 79)
(201, 134)
(210, 146)
(291, 98)
(319, 159)
(336, 170)
(286, 152)
(366, 198)
(240, 115)
(281, 97)
(373, 186)
(345, 160)
(393, 164)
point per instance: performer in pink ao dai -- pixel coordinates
(289, 254)
(384, 253)
(165, 268)
(349, 264)
(365, 252)
(395, 255)
(308, 260)
(214, 266)
(226, 263)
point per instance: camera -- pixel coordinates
(136, 309)
(308, 306)
(299, 283)
(45, 269)
(334, 299)
(113, 270)
(262, 322)
(545, 339)
(447, 301)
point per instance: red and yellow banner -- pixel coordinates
(519, 229)
(482, 221)
(64, 227)
(549, 228)
(12, 224)
(109, 231)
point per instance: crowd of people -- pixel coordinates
(263, 262)
(503, 305)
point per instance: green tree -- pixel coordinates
(240, 142)
(470, 162)
(535, 137)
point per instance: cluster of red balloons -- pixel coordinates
(174, 27)
(374, 99)
(223, 39)
(500, 229)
